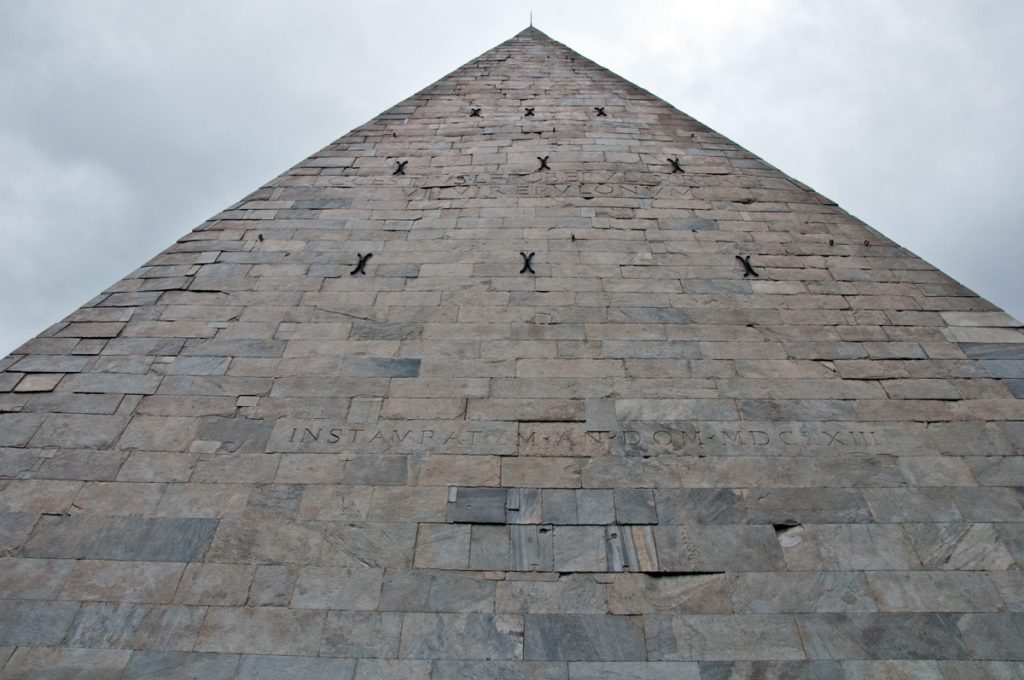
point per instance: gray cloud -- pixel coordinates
(123, 125)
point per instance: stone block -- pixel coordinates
(722, 638)
(136, 626)
(388, 669)
(456, 669)
(257, 667)
(443, 546)
(469, 636)
(222, 585)
(31, 623)
(584, 637)
(172, 665)
(633, 594)
(881, 636)
(92, 580)
(634, 670)
(355, 589)
(569, 594)
(266, 542)
(77, 431)
(22, 579)
(153, 539)
(380, 367)
(64, 662)
(261, 630)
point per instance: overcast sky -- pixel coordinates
(123, 125)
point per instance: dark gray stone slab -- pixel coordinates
(881, 636)
(635, 506)
(478, 505)
(584, 637)
(30, 623)
(993, 350)
(381, 367)
(153, 539)
(169, 665)
(237, 435)
(559, 506)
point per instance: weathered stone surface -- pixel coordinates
(635, 461)
(577, 637)
(152, 539)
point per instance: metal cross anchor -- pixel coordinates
(676, 167)
(527, 263)
(600, 111)
(474, 113)
(746, 265)
(529, 111)
(400, 170)
(361, 267)
(543, 162)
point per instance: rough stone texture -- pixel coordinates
(637, 461)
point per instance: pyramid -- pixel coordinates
(530, 376)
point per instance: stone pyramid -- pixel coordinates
(531, 376)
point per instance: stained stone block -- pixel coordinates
(383, 367)
(62, 662)
(454, 592)
(569, 594)
(780, 592)
(369, 544)
(405, 590)
(258, 667)
(532, 547)
(93, 580)
(998, 637)
(451, 669)
(77, 431)
(580, 548)
(722, 638)
(236, 435)
(362, 634)
(263, 630)
(684, 594)
(559, 506)
(700, 506)
(960, 546)
(634, 670)
(469, 636)
(14, 529)
(773, 670)
(223, 585)
(848, 547)
(272, 586)
(337, 588)
(490, 548)
(717, 548)
(881, 636)
(149, 433)
(32, 579)
(386, 669)
(136, 626)
(151, 665)
(929, 591)
(153, 539)
(83, 465)
(28, 623)
(584, 637)
(443, 546)
(635, 506)
(266, 542)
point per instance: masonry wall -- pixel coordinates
(554, 426)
